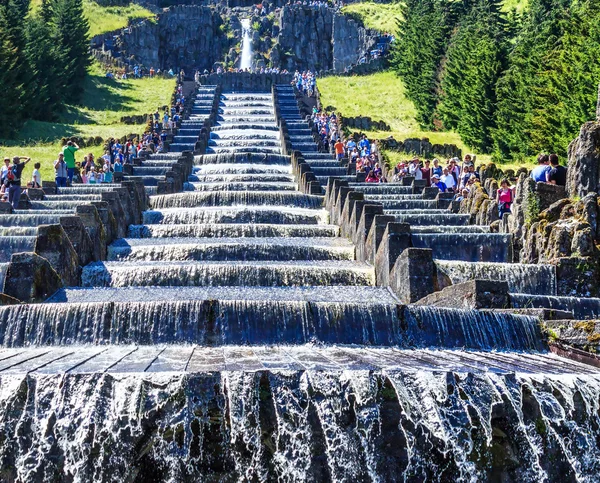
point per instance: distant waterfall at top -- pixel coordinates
(246, 45)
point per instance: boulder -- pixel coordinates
(583, 170)
(31, 278)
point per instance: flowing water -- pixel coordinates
(234, 337)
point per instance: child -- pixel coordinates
(36, 177)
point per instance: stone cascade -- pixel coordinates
(301, 137)
(168, 171)
(458, 251)
(232, 334)
(246, 124)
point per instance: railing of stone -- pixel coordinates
(245, 81)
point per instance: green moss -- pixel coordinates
(540, 426)
(532, 208)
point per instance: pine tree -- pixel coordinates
(476, 58)
(12, 90)
(47, 77)
(13, 15)
(72, 35)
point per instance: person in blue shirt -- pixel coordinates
(364, 143)
(542, 169)
(435, 181)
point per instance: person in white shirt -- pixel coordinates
(448, 180)
(414, 169)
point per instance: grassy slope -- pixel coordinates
(105, 101)
(107, 19)
(382, 97)
(384, 16)
(378, 16)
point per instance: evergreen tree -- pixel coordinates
(45, 64)
(13, 15)
(72, 36)
(12, 89)
(420, 45)
(476, 58)
(519, 87)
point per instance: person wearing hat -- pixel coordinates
(435, 181)
(60, 171)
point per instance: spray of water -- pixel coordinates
(246, 45)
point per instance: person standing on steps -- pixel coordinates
(69, 156)
(557, 174)
(14, 180)
(504, 197)
(60, 171)
(339, 149)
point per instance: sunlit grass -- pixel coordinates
(382, 97)
(108, 19)
(104, 102)
(378, 16)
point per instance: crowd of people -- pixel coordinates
(67, 170)
(306, 82)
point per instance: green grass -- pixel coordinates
(104, 102)
(378, 16)
(382, 97)
(107, 19)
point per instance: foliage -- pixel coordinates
(476, 57)
(550, 86)
(45, 54)
(423, 34)
(510, 80)
(103, 103)
(382, 17)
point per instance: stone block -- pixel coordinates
(430, 193)
(407, 180)
(93, 224)
(345, 226)
(31, 278)
(395, 239)
(336, 211)
(114, 204)
(369, 211)
(36, 194)
(79, 238)
(53, 244)
(413, 275)
(549, 194)
(474, 294)
(418, 185)
(375, 236)
(108, 220)
(5, 208)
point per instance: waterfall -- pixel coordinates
(246, 45)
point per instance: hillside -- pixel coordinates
(107, 19)
(104, 102)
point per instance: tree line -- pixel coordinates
(44, 56)
(509, 84)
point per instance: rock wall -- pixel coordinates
(187, 37)
(318, 38)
